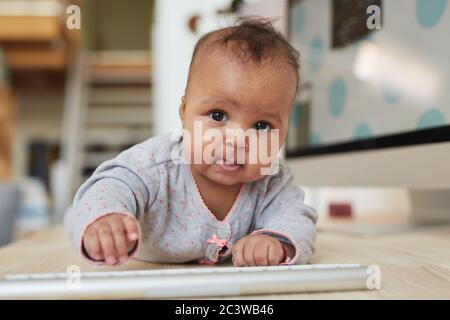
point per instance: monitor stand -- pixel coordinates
(429, 209)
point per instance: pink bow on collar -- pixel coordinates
(219, 242)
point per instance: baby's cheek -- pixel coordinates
(252, 172)
(204, 149)
(202, 169)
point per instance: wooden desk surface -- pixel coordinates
(414, 265)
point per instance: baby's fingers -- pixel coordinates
(108, 246)
(131, 229)
(249, 250)
(120, 240)
(276, 254)
(92, 245)
(238, 254)
(261, 253)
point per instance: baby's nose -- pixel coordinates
(235, 149)
(236, 141)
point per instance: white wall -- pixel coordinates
(274, 9)
(395, 80)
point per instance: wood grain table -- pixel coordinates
(415, 265)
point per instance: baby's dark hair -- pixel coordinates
(251, 39)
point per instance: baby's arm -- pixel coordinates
(108, 203)
(283, 218)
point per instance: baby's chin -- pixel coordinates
(231, 175)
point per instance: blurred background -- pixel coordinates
(82, 80)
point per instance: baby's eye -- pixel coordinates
(262, 126)
(218, 116)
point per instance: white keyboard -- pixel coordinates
(186, 282)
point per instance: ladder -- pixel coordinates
(108, 108)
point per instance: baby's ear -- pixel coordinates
(182, 108)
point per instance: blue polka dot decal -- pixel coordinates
(363, 131)
(295, 115)
(430, 119)
(337, 96)
(298, 19)
(314, 139)
(391, 95)
(316, 54)
(429, 12)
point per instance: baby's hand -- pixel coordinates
(257, 250)
(110, 238)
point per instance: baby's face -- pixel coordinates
(225, 95)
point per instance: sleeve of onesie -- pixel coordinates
(125, 185)
(283, 215)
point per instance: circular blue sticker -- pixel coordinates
(316, 54)
(337, 96)
(430, 119)
(429, 12)
(363, 131)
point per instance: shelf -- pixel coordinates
(35, 57)
(33, 34)
(28, 28)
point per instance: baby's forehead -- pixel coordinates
(220, 73)
(238, 51)
(248, 84)
(214, 58)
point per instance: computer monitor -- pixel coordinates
(373, 107)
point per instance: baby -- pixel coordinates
(154, 203)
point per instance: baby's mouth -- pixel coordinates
(228, 165)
